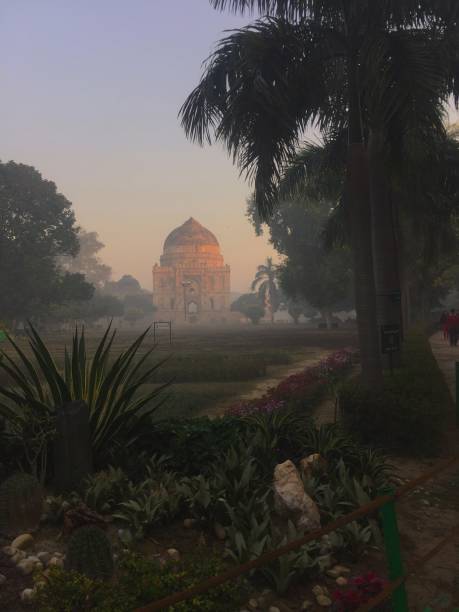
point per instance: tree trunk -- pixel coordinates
(385, 248)
(358, 196)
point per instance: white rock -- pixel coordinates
(26, 566)
(2, 579)
(58, 554)
(174, 554)
(253, 603)
(56, 562)
(9, 550)
(44, 557)
(18, 556)
(33, 558)
(290, 498)
(341, 581)
(22, 542)
(28, 595)
(333, 573)
(324, 601)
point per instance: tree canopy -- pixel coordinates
(37, 226)
(87, 260)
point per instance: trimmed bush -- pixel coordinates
(138, 582)
(407, 415)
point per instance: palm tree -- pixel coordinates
(304, 64)
(265, 282)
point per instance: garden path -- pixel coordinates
(277, 374)
(429, 512)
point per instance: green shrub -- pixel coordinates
(106, 489)
(118, 411)
(407, 415)
(89, 552)
(138, 582)
(193, 445)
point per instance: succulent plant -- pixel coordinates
(21, 504)
(89, 552)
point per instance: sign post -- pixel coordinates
(390, 342)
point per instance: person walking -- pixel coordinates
(453, 327)
(443, 324)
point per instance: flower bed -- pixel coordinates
(296, 389)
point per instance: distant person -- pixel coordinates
(452, 324)
(443, 324)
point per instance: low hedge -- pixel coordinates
(407, 415)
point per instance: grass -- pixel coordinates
(213, 365)
(219, 367)
(194, 399)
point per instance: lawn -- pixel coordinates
(209, 367)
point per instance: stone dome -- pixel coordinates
(190, 234)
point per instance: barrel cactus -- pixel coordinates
(89, 552)
(21, 504)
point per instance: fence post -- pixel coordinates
(457, 393)
(393, 552)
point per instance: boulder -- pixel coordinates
(22, 542)
(26, 566)
(290, 498)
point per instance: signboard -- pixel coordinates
(390, 339)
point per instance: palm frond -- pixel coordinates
(261, 88)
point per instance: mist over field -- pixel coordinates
(229, 305)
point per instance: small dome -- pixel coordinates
(191, 233)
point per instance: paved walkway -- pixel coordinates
(446, 357)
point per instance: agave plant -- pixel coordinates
(118, 411)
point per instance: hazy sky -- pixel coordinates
(90, 95)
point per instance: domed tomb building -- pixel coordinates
(191, 283)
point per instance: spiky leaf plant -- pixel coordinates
(89, 552)
(111, 388)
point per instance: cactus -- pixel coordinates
(89, 552)
(21, 504)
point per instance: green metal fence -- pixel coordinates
(385, 504)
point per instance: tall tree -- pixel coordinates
(311, 272)
(265, 282)
(87, 260)
(305, 63)
(37, 225)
